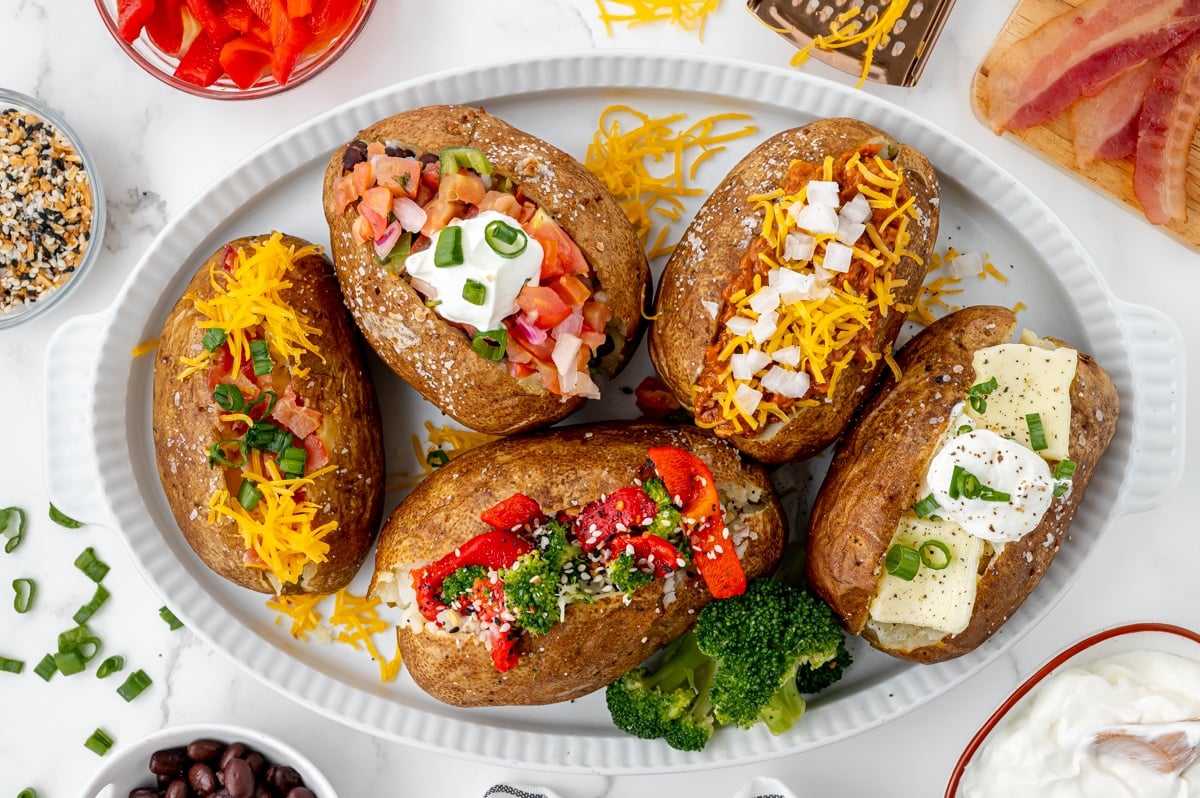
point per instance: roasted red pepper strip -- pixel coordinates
(659, 556)
(490, 601)
(245, 60)
(496, 549)
(515, 511)
(691, 482)
(132, 16)
(208, 15)
(201, 64)
(618, 512)
(165, 26)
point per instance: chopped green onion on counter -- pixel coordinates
(62, 519)
(134, 685)
(169, 617)
(99, 742)
(26, 590)
(92, 567)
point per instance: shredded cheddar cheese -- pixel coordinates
(302, 610)
(852, 27)
(628, 142)
(144, 348)
(687, 14)
(450, 440)
(353, 622)
(934, 299)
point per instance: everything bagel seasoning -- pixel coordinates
(45, 209)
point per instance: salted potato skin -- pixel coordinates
(432, 355)
(879, 466)
(185, 425)
(708, 257)
(596, 643)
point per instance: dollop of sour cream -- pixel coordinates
(1044, 746)
(1001, 465)
(502, 277)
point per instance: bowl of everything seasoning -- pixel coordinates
(51, 209)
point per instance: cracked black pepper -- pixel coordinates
(45, 209)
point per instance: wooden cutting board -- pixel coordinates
(1053, 139)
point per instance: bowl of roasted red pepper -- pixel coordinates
(234, 49)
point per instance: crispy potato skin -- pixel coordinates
(709, 254)
(880, 464)
(185, 425)
(596, 643)
(432, 355)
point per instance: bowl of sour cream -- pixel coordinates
(1140, 680)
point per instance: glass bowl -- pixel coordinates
(11, 207)
(162, 65)
(126, 767)
(1147, 636)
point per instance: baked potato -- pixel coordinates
(569, 509)
(951, 493)
(783, 300)
(490, 270)
(266, 427)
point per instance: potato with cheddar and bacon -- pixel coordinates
(783, 300)
(265, 421)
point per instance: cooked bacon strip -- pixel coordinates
(1078, 52)
(1105, 126)
(1166, 127)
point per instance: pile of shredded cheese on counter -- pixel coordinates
(354, 621)
(872, 30)
(687, 14)
(626, 144)
(797, 329)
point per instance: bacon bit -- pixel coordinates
(290, 411)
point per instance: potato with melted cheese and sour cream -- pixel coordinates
(266, 428)
(490, 270)
(950, 495)
(783, 300)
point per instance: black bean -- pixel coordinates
(429, 157)
(234, 751)
(356, 152)
(283, 778)
(239, 781)
(178, 789)
(144, 792)
(202, 778)
(169, 762)
(257, 763)
(205, 750)
(301, 792)
(263, 791)
(398, 152)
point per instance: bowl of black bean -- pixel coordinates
(208, 760)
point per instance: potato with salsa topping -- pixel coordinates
(781, 303)
(490, 270)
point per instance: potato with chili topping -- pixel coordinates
(490, 270)
(266, 426)
(782, 302)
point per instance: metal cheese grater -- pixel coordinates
(898, 61)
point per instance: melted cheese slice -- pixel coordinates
(941, 600)
(1031, 377)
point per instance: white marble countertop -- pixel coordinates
(157, 148)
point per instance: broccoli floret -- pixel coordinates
(625, 574)
(815, 679)
(667, 520)
(760, 640)
(531, 592)
(461, 581)
(670, 700)
(555, 546)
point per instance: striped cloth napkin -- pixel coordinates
(757, 787)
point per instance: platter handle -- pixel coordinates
(72, 470)
(1157, 360)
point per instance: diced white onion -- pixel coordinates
(823, 192)
(747, 399)
(566, 358)
(966, 264)
(857, 210)
(817, 219)
(785, 382)
(740, 325)
(764, 300)
(799, 246)
(764, 328)
(709, 306)
(787, 355)
(745, 366)
(849, 232)
(792, 285)
(837, 257)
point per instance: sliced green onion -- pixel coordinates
(110, 666)
(280, 442)
(505, 240)
(12, 526)
(99, 742)
(80, 641)
(490, 344)
(292, 462)
(216, 453)
(902, 562)
(1065, 469)
(213, 338)
(926, 506)
(62, 519)
(977, 394)
(85, 613)
(454, 158)
(965, 428)
(270, 397)
(1037, 432)
(935, 554)
(92, 566)
(474, 292)
(26, 590)
(1061, 488)
(69, 662)
(449, 251)
(8, 665)
(134, 685)
(968, 486)
(46, 668)
(989, 494)
(248, 495)
(261, 435)
(169, 617)
(437, 458)
(28, 792)
(260, 356)
(395, 260)
(229, 397)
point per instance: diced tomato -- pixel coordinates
(401, 176)
(201, 64)
(245, 60)
(440, 212)
(596, 315)
(539, 352)
(375, 148)
(515, 511)
(543, 305)
(619, 512)
(592, 340)
(317, 454)
(654, 399)
(519, 371)
(501, 202)
(363, 176)
(342, 194)
(572, 290)
(362, 228)
(561, 256)
(462, 186)
(375, 205)
(165, 26)
(208, 14)
(132, 16)
(239, 16)
(299, 8)
(431, 175)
